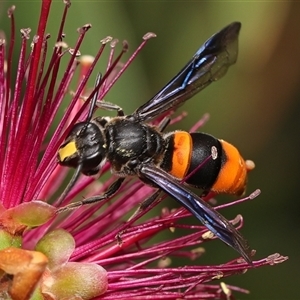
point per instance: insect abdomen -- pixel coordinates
(205, 162)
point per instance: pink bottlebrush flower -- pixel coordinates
(96, 251)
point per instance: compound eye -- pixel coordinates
(91, 172)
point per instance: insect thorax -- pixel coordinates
(131, 143)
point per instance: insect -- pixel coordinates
(163, 160)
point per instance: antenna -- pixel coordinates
(88, 119)
(70, 185)
(94, 100)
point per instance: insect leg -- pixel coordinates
(111, 107)
(146, 203)
(143, 206)
(163, 124)
(114, 187)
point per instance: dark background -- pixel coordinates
(256, 106)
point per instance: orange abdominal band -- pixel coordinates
(232, 177)
(181, 154)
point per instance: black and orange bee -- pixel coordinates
(133, 147)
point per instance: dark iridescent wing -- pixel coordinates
(208, 216)
(209, 64)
